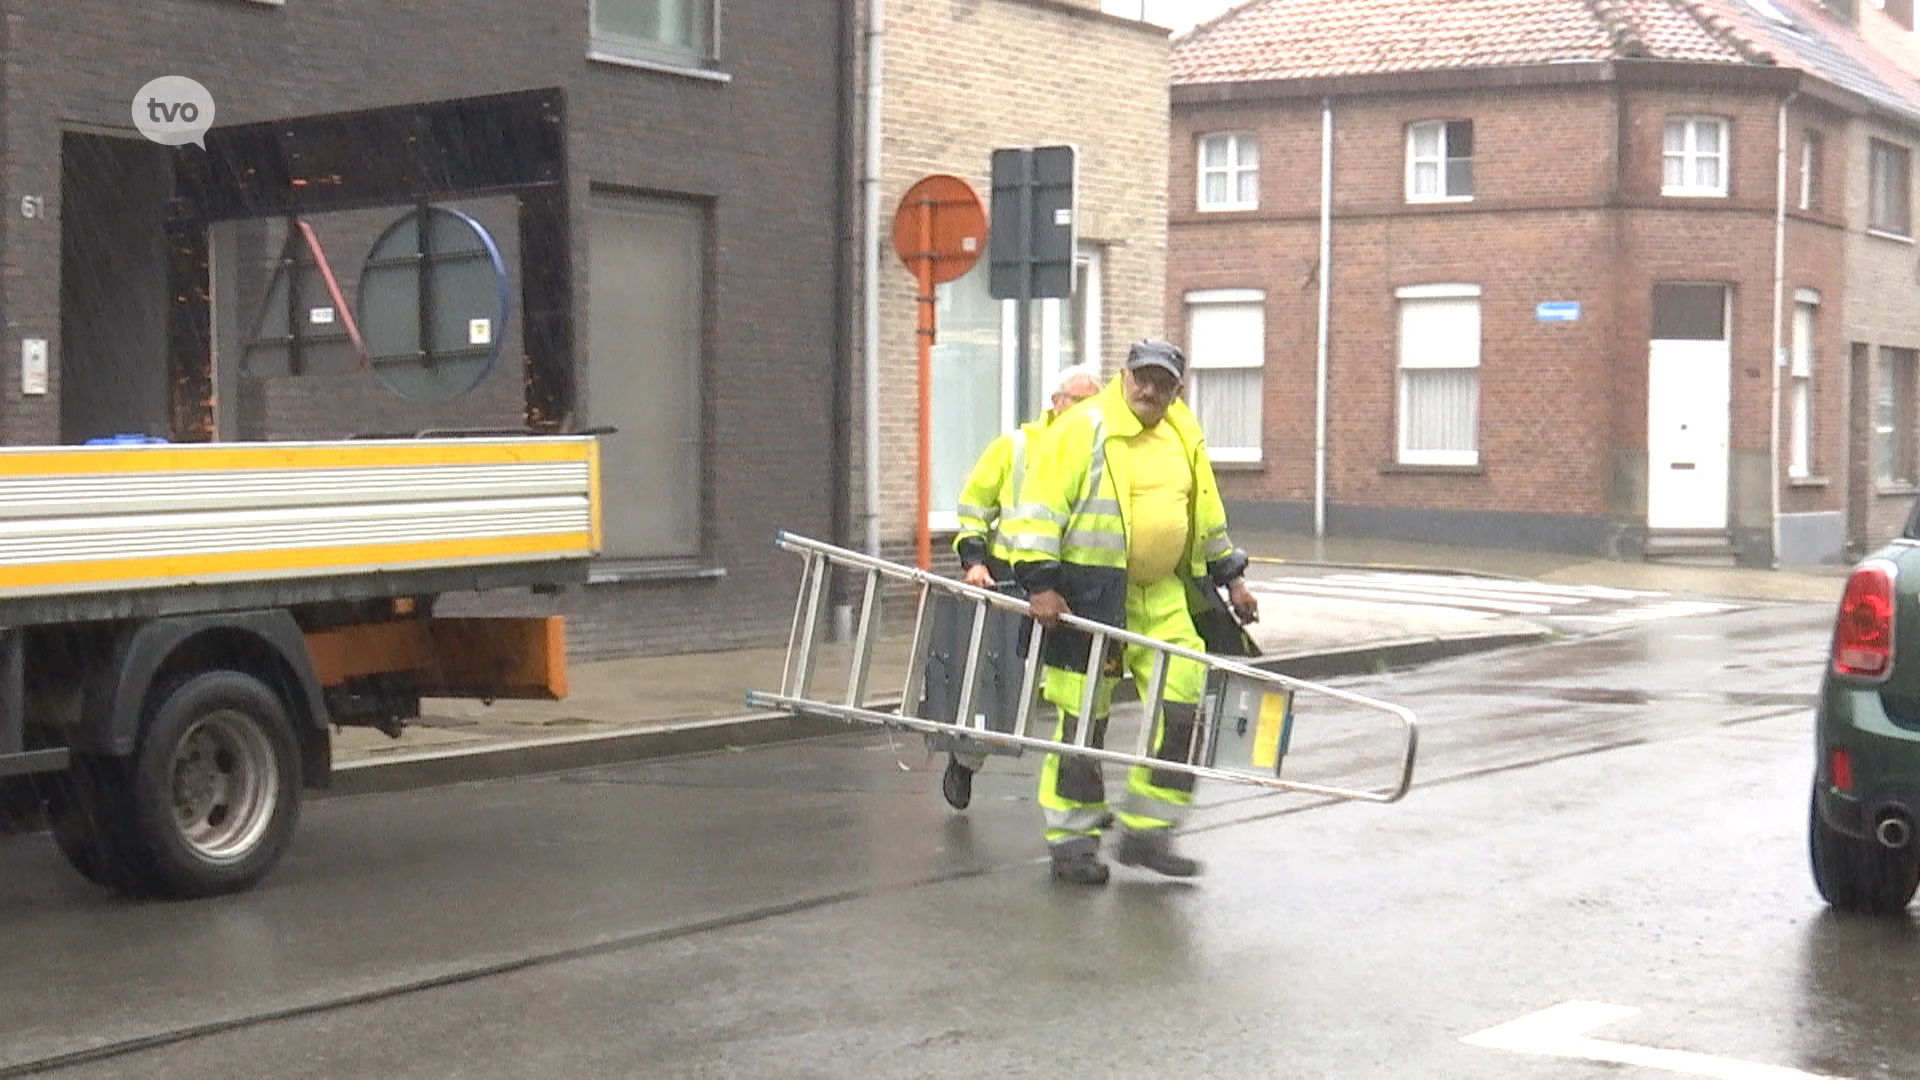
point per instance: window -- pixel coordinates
(646, 262)
(1893, 417)
(1440, 375)
(1440, 160)
(975, 356)
(668, 31)
(1695, 157)
(1810, 148)
(1229, 172)
(1800, 444)
(1226, 355)
(1889, 201)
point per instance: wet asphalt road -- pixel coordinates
(1615, 819)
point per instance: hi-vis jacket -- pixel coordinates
(1069, 530)
(992, 488)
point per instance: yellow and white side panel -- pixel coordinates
(109, 518)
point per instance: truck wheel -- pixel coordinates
(91, 821)
(1855, 873)
(216, 785)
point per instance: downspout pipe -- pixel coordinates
(1326, 307)
(870, 269)
(1779, 321)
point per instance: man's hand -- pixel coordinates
(1047, 607)
(979, 576)
(1246, 607)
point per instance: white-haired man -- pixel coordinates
(988, 497)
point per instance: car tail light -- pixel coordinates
(1863, 639)
(1840, 769)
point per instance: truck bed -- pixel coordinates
(90, 532)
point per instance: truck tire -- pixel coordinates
(91, 821)
(1855, 873)
(215, 790)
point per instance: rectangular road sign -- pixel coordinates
(1031, 240)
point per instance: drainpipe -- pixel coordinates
(1326, 303)
(870, 269)
(1779, 311)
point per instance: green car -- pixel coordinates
(1866, 784)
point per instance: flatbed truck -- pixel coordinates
(184, 626)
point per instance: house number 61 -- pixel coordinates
(33, 206)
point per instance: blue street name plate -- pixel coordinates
(1557, 311)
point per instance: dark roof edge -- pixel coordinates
(1505, 77)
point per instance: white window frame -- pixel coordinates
(1813, 147)
(1439, 162)
(1894, 152)
(1450, 291)
(1200, 361)
(1237, 144)
(614, 48)
(1047, 323)
(1806, 316)
(1690, 156)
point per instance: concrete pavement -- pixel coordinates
(644, 707)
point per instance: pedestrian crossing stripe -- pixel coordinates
(1485, 595)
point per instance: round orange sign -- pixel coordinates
(940, 223)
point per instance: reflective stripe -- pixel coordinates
(1094, 538)
(1012, 490)
(1040, 512)
(1082, 820)
(978, 513)
(1046, 545)
(1109, 507)
(1218, 548)
(1097, 467)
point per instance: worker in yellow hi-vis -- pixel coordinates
(988, 497)
(1118, 508)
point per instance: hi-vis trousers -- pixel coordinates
(1072, 792)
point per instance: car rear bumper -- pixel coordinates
(1885, 760)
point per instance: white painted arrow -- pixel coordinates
(1560, 1031)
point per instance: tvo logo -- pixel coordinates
(174, 110)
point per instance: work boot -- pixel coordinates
(957, 784)
(1153, 849)
(1080, 868)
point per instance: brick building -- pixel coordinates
(1551, 302)
(958, 82)
(664, 182)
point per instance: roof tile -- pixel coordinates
(1296, 39)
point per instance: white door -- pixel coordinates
(1687, 429)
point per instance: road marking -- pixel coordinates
(1560, 1031)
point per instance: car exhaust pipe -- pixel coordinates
(1893, 828)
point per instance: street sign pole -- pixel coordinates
(923, 533)
(939, 232)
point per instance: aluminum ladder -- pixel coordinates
(1246, 715)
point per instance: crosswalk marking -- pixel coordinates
(1481, 595)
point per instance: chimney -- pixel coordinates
(1900, 11)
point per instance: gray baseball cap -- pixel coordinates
(1156, 353)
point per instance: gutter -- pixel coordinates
(1779, 318)
(1325, 320)
(870, 270)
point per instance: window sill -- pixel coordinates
(1227, 208)
(1238, 465)
(1898, 238)
(1806, 481)
(1402, 468)
(1692, 193)
(664, 67)
(1437, 200)
(614, 571)
(1904, 487)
